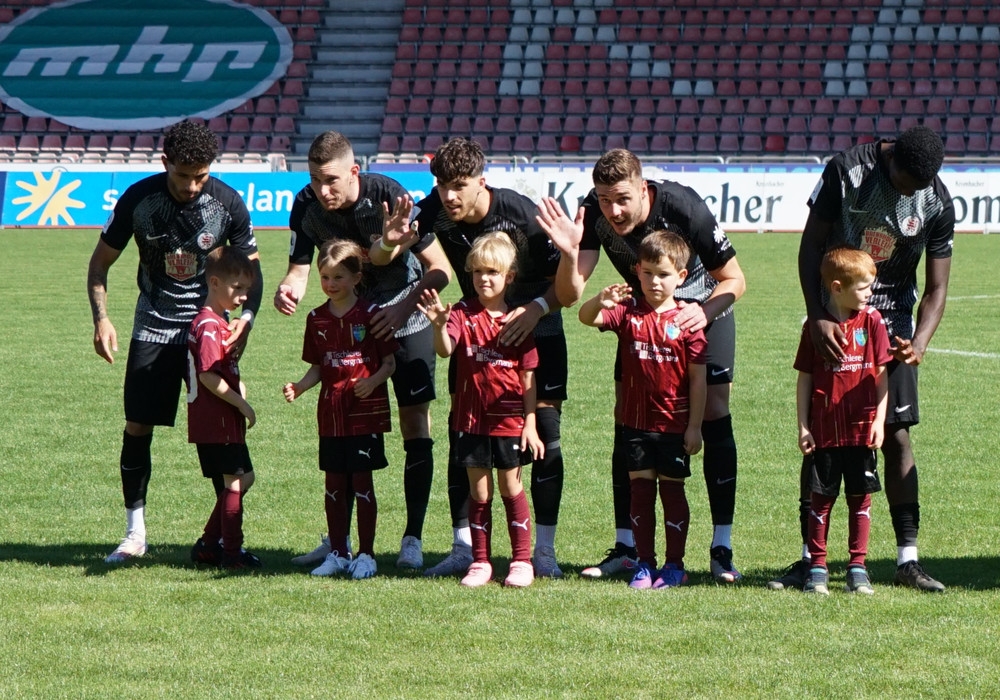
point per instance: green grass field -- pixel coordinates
(70, 626)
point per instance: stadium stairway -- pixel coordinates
(351, 72)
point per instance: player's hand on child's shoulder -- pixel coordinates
(828, 338)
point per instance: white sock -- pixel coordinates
(462, 535)
(805, 553)
(135, 521)
(625, 536)
(905, 554)
(545, 536)
(722, 536)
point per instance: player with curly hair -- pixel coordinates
(176, 218)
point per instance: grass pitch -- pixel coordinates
(70, 626)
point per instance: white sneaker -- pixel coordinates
(363, 567)
(458, 562)
(333, 564)
(132, 547)
(411, 553)
(544, 561)
(316, 556)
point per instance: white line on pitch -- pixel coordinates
(975, 296)
(966, 353)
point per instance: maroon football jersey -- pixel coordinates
(844, 397)
(346, 350)
(488, 395)
(210, 419)
(656, 355)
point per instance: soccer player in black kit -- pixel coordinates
(461, 208)
(616, 216)
(176, 219)
(341, 202)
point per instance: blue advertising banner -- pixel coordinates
(68, 198)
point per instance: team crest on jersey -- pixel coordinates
(206, 240)
(860, 337)
(878, 244)
(180, 265)
(910, 226)
(358, 332)
(673, 331)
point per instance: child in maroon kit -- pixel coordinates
(663, 399)
(493, 408)
(218, 412)
(841, 413)
(353, 409)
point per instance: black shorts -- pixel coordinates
(720, 351)
(662, 452)
(413, 380)
(352, 453)
(154, 374)
(856, 466)
(230, 459)
(487, 452)
(553, 368)
(903, 409)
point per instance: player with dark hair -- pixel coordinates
(340, 202)
(621, 211)
(460, 209)
(176, 218)
(886, 199)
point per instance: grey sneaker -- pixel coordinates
(316, 556)
(458, 562)
(411, 553)
(363, 567)
(544, 561)
(817, 581)
(858, 581)
(912, 574)
(792, 577)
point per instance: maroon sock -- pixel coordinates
(213, 528)
(676, 517)
(819, 525)
(858, 527)
(518, 526)
(643, 514)
(481, 529)
(232, 522)
(335, 503)
(367, 507)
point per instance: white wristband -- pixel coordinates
(386, 248)
(248, 317)
(544, 304)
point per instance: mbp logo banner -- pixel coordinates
(127, 65)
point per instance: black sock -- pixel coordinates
(458, 485)
(418, 473)
(547, 473)
(720, 468)
(906, 523)
(136, 466)
(621, 488)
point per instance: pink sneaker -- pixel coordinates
(520, 575)
(479, 574)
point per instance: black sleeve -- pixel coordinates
(590, 241)
(302, 246)
(942, 233)
(827, 198)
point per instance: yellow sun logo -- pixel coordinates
(45, 194)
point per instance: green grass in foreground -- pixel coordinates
(72, 627)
